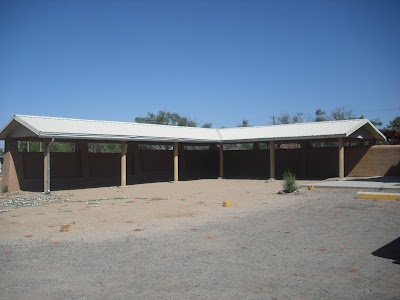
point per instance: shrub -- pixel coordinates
(4, 189)
(289, 182)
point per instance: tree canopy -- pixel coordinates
(394, 124)
(166, 118)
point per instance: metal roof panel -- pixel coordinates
(65, 128)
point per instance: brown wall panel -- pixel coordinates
(33, 165)
(104, 164)
(377, 161)
(200, 164)
(65, 164)
(156, 160)
(288, 160)
(321, 162)
(246, 163)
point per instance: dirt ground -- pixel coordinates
(177, 241)
(100, 212)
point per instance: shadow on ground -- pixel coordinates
(390, 251)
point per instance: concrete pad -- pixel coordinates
(374, 183)
(378, 196)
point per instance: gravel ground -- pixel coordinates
(316, 245)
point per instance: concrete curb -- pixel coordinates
(378, 196)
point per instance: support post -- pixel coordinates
(123, 164)
(46, 166)
(176, 163)
(271, 160)
(221, 160)
(341, 158)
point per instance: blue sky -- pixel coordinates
(213, 61)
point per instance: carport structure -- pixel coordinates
(82, 132)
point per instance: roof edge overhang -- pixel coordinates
(125, 138)
(297, 138)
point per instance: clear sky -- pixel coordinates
(213, 61)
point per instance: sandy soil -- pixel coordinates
(97, 213)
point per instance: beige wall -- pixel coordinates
(374, 161)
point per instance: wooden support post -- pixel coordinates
(176, 163)
(46, 166)
(271, 160)
(341, 158)
(123, 164)
(221, 160)
(256, 146)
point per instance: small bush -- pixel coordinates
(289, 182)
(4, 189)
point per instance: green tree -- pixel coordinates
(207, 125)
(287, 119)
(394, 124)
(1, 151)
(62, 147)
(245, 123)
(341, 113)
(320, 116)
(166, 118)
(376, 122)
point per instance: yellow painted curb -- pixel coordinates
(227, 203)
(378, 196)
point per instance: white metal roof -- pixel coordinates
(299, 131)
(64, 128)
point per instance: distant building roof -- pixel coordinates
(22, 126)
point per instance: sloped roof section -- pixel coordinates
(303, 131)
(63, 128)
(22, 126)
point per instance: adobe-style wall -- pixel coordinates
(374, 161)
(25, 170)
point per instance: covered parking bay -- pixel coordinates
(160, 152)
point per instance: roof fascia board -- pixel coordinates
(125, 138)
(375, 130)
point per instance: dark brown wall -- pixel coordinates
(320, 162)
(323, 162)
(104, 164)
(156, 160)
(200, 164)
(63, 165)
